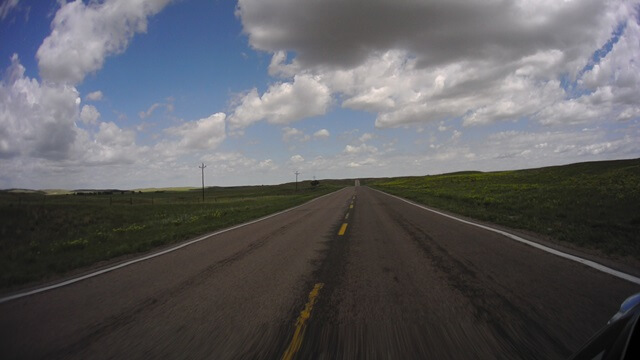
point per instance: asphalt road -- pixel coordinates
(395, 282)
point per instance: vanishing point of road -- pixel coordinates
(355, 274)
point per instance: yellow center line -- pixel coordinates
(343, 229)
(298, 335)
(351, 206)
(346, 216)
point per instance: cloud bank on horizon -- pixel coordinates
(443, 86)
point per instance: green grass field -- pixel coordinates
(594, 205)
(43, 235)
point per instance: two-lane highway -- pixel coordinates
(355, 274)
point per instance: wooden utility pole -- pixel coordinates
(202, 167)
(297, 173)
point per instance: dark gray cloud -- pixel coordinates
(344, 33)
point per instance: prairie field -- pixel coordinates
(592, 205)
(44, 234)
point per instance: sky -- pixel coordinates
(139, 93)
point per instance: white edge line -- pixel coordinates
(561, 254)
(151, 256)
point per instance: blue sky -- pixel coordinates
(137, 94)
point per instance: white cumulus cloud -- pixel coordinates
(366, 137)
(36, 119)
(321, 134)
(290, 134)
(282, 103)
(38, 124)
(83, 35)
(296, 159)
(360, 149)
(201, 134)
(94, 96)
(89, 114)
(111, 134)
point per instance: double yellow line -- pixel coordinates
(305, 314)
(343, 228)
(298, 335)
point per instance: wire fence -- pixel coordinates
(132, 198)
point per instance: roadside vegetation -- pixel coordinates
(593, 205)
(42, 235)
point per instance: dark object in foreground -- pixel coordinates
(620, 338)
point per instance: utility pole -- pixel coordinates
(202, 167)
(297, 173)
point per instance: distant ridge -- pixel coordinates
(30, 191)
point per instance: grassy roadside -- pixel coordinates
(44, 235)
(593, 205)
